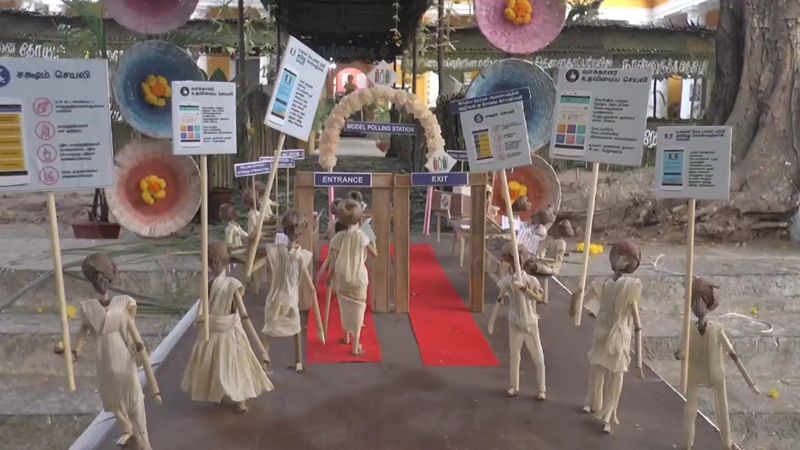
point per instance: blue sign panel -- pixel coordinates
(342, 179)
(296, 153)
(439, 179)
(375, 127)
(285, 162)
(458, 155)
(250, 169)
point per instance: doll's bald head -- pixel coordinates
(507, 254)
(100, 270)
(250, 199)
(704, 298)
(625, 257)
(293, 223)
(544, 217)
(350, 212)
(218, 257)
(521, 205)
(227, 212)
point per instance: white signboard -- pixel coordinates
(495, 131)
(298, 87)
(694, 162)
(601, 115)
(55, 125)
(203, 118)
(382, 74)
(440, 161)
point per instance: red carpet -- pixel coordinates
(335, 351)
(446, 332)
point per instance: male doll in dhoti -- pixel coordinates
(708, 345)
(522, 292)
(617, 321)
(234, 233)
(118, 340)
(289, 265)
(346, 260)
(225, 366)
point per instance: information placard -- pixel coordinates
(405, 129)
(342, 179)
(694, 162)
(285, 162)
(297, 153)
(203, 118)
(495, 131)
(55, 125)
(601, 115)
(382, 74)
(439, 179)
(250, 169)
(440, 161)
(299, 84)
(458, 155)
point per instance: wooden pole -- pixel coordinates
(251, 251)
(587, 241)
(440, 48)
(60, 295)
(511, 221)
(287, 187)
(204, 241)
(687, 305)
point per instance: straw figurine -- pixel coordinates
(346, 262)
(225, 366)
(118, 340)
(708, 345)
(289, 265)
(358, 197)
(522, 293)
(234, 233)
(617, 321)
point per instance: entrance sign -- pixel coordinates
(495, 131)
(298, 86)
(601, 115)
(55, 125)
(458, 155)
(439, 179)
(407, 129)
(250, 169)
(342, 179)
(382, 74)
(284, 162)
(694, 163)
(203, 118)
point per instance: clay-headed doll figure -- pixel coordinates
(225, 365)
(617, 321)
(334, 220)
(358, 197)
(708, 346)
(234, 234)
(289, 265)
(522, 293)
(346, 260)
(518, 208)
(118, 340)
(541, 221)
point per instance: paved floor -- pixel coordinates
(400, 404)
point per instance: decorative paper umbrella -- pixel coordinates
(149, 166)
(511, 74)
(539, 182)
(137, 65)
(546, 20)
(151, 16)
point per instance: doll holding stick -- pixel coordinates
(346, 260)
(617, 321)
(289, 265)
(522, 292)
(708, 346)
(234, 233)
(225, 365)
(118, 340)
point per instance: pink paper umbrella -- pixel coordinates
(546, 23)
(151, 16)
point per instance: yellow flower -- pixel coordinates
(774, 394)
(596, 249)
(153, 189)
(580, 247)
(518, 12)
(754, 311)
(72, 311)
(156, 90)
(39, 310)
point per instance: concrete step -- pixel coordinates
(757, 422)
(27, 340)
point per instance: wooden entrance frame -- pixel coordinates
(394, 191)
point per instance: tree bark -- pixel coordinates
(766, 113)
(730, 45)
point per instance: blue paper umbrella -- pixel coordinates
(137, 63)
(510, 74)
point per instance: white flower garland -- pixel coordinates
(329, 142)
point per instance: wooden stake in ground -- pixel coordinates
(687, 304)
(60, 295)
(253, 245)
(204, 242)
(587, 242)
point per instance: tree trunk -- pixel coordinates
(765, 115)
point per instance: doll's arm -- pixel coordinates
(326, 265)
(739, 365)
(249, 328)
(496, 310)
(372, 250)
(79, 340)
(637, 324)
(148, 368)
(314, 303)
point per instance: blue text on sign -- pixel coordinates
(250, 169)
